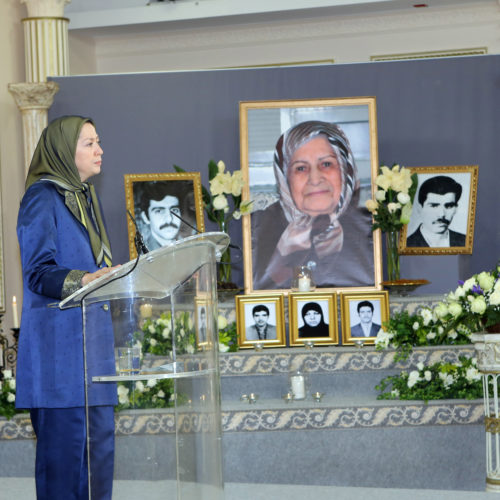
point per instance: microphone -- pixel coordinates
(236, 247)
(140, 246)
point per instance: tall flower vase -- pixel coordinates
(224, 267)
(391, 239)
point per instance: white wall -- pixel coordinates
(11, 148)
(346, 39)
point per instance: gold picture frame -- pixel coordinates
(443, 211)
(312, 317)
(260, 319)
(261, 125)
(355, 314)
(141, 189)
(202, 304)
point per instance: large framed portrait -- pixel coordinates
(312, 317)
(260, 319)
(309, 166)
(363, 315)
(166, 208)
(442, 218)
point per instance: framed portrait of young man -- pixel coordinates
(363, 315)
(442, 218)
(260, 319)
(203, 335)
(309, 166)
(166, 208)
(312, 317)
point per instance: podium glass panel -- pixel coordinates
(151, 349)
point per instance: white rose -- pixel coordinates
(190, 349)
(469, 284)
(12, 383)
(220, 202)
(486, 281)
(455, 309)
(420, 365)
(413, 378)
(151, 328)
(139, 386)
(428, 375)
(426, 316)
(153, 342)
(403, 198)
(460, 292)
(371, 206)
(221, 322)
(472, 374)
(161, 394)
(395, 393)
(452, 334)
(223, 347)
(151, 382)
(416, 325)
(495, 298)
(431, 335)
(478, 305)
(165, 333)
(441, 310)
(380, 195)
(7, 373)
(122, 390)
(11, 398)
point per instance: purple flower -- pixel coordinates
(461, 282)
(477, 289)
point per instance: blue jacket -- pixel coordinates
(50, 372)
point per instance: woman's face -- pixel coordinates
(88, 155)
(314, 177)
(312, 317)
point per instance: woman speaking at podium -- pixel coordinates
(64, 246)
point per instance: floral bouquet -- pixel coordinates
(474, 304)
(391, 209)
(442, 380)
(224, 188)
(7, 394)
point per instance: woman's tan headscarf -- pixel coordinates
(54, 161)
(304, 231)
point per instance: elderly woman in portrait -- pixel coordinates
(314, 324)
(317, 221)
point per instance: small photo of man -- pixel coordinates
(365, 318)
(435, 210)
(260, 322)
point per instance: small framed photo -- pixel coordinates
(363, 315)
(166, 208)
(260, 318)
(202, 305)
(442, 218)
(313, 317)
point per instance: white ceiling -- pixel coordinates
(99, 16)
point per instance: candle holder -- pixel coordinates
(302, 279)
(359, 343)
(244, 398)
(288, 397)
(252, 399)
(318, 396)
(309, 344)
(258, 346)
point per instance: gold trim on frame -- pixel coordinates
(245, 106)
(293, 318)
(275, 300)
(470, 211)
(130, 179)
(346, 299)
(431, 54)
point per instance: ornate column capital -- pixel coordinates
(45, 8)
(33, 95)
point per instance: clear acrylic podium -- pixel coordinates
(165, 304)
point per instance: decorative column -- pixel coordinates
(33, 100)
(46, 54)
(487, 347)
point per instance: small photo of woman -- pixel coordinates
(313, 318)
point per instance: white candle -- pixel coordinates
(298, 387)
(15, 318)
(304, 284)
(146, 310)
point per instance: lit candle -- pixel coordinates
(15, 317)
(298, 387)
(304, 284)
(146, 310)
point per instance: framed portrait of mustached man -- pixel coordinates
(309, 166)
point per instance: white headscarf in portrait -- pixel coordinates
(324, 232)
